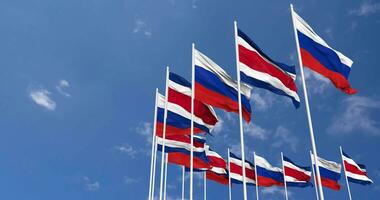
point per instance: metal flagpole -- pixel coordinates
(283, 172)
(183, 182)
(256, 179)
(315, 177)
(314, 148)
(164, 134)
(152, 159)
(240, 113)
(204, 186)
(154, 163)
(345, 173)
(229, 175)
(166, 174)
(192, 120)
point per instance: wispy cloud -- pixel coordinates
(219, 127)
(42, 98)
(62, 85)
(130, 180)
(256, 131)
(145, 129)
(356, 116)
(366, 8)
(91, 185)
(194, 4)
(283, 137)
(316, 83)
(262, 100)
(141, 27)
(127, 149)
(271, 191)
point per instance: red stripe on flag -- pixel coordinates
(267, 182)
(353, 169)
(184, 160)
(213, 98)
(249, 173)
(200, 109)
(254, 61)
(219, 178)
(296, 174)
(171, 130)
(337, 79)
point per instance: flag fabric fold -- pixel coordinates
(267, 175)
(215, 87)
(179, 110)
(236, 170)
(355, 172)
(317, 55)
(295, 175)
(329, 172)
(218, 170)
(258, 69)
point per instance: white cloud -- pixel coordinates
(194, 4)
(41, 97)
(283, 137)
(145, 129)
(142, 28)
(315, 82)
(91, 185)
(274, 191)
(127, 149)
(129, 180)
(218, 128)
(256, 131)
(62, 84)
(356, 116)
(366, 8)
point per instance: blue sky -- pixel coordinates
(77, 88)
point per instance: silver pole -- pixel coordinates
(164, 134)
(283, 171)
(240, 112)
(345, 173)
(314, 148)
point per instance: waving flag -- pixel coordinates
(215, 87)
(258, 69)
(317, 55)
(296, 176)
(179, 147)
(355, 173)
(330, 173)
(236, 170)
(267, 175)
(218, 170)
(179, 110)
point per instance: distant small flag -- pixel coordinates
(295, 175)
(317, 55)
(179, 149)
(215, 87)
(355, 173)
(267, 175)
(330, 173)
(258, 69)
(236, 170)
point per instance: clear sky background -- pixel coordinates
(77, 88)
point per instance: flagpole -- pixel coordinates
(229, 175)
(315, 177)
(155, 161)
(345, 173)
(152, 160)
(314, 148)
(192, 120)
(240, 113)
(204, 186)
(183, 182)
(256, 179)
(283, 172)
(166, 174)
(164, 134)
